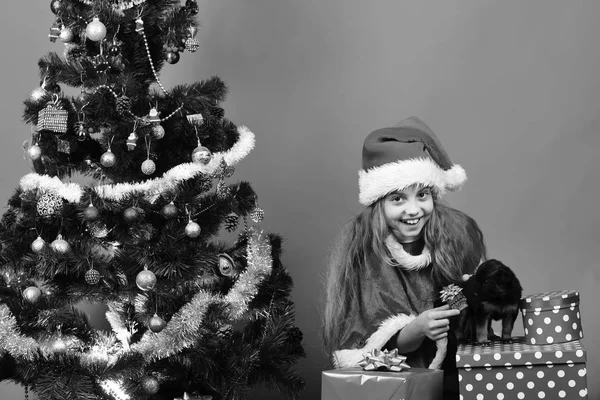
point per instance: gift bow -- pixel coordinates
(449, 292)
(383, 361)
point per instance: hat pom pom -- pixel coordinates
(455, 178)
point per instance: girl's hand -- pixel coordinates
(434, 323)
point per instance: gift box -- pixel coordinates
(520, 370)
(551, 317)
(358, 384)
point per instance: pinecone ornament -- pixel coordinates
(231, 222)
(225, 170)
(223, 191)
(225, 332)
(123, 105)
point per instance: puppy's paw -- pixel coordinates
(508, 341)
(487, 343)
(494, 337)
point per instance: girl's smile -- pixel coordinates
(407, 211)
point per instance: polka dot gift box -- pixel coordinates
(551, 317)
(522, 371)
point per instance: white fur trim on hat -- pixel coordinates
(379, 181)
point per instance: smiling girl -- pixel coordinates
(393, 258)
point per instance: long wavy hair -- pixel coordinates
(454, 239)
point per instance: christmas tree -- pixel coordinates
(192, 313)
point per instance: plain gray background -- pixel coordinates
(510, 87)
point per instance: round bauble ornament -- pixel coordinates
(49, 205)
(114, 50)
(95, 30)
(38, 93)
(38, 245)
(146, 280)
(59, 346)
(66, 35)
(91, 213)
(34, 152)
(158, 132)
(170, 211)
(150, 385)
(55, 6)
(156, 324)
(192, 45)
(60, 245)
(92, 277)
(131, 214)
(108, 159)
(201, 155)
(172, 57)
(192, 229)
(32, 294)
(226, 265)
(148, 167)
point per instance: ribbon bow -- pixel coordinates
(449, 292)
(383, 361)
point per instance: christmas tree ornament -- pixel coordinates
(192, 45)
(49, 205)
(223, 191)
(82, 134)
(172, 57)
(156, 324)
(98, 229)
(32, 294)
(153, 116)
(66, 35)
(95, 30)
(132, 141)
(150, 385)
(257, 215)
(91, 213)
(101, 64)
(59, 346)
(38, 245)
(148, 167)
(54, 32)
(145, 280)
(123, 104)
(53, 118)
(66, 146)
(131, 214)
(55, 6)
(59, 245)
(195, 119)
(158, 132)
(226, 170)
(192, 7)
(231, 222)
(192, 229)
(114, 49)
(139, 26)
(34, 152)
(225, 332)
(38, 93)
(108, 159)
(226, 265)
(201, 155)
(92, 276)
(170, 211)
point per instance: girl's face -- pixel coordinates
(407, 211)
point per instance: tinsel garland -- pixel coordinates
(73, 192)
(17, 345)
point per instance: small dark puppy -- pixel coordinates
(492, 293)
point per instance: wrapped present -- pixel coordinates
(53, 118)
(522, 371)
(453, 296)
(551, 317)
(357, 384)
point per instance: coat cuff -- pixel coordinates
(388, 328)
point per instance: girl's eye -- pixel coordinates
(424, 194)
(396, 198)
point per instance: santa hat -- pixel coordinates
(406, 154)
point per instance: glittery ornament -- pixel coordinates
(91, 213)
(150, 385)
(172, 57)
(131, 214)
(148, 167)
(156, 324)
(60, 245)
(226, 265)
(38, 93)
(95, 30)
(53, 118)
(195, 119)
(66, 35)
(201, 155)
(226, 170)
(257, 215)
(170, 210)
(92, 277)
(225, 331)
(132, 141)
(49, 204)
(146, 280)
(66, 146)
(32, 294)
(98, 229)
(34, 152)
(38, 245)
(192, 229)
(192, 45)
(59, 346)
(192, 7)
(223, 191)
(108, 159)
(55, 6)
(158, 132)
(231, 222)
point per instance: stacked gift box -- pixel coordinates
(549, 362)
